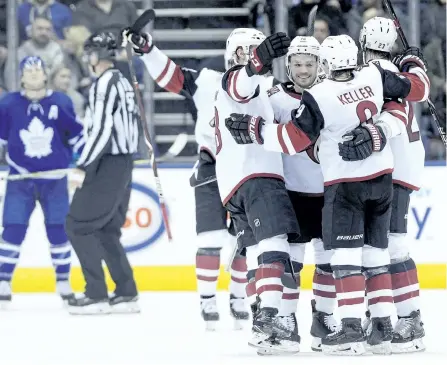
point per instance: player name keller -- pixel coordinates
(356, 95)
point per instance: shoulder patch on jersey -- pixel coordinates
(273, 90)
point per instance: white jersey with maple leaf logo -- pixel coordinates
(302, 172)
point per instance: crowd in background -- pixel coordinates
(56, 31)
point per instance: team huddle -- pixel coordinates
(329, 158)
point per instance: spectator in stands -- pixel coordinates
(322, 28)
(433, 20)
(60, 80)
(105, 15)
(367, 9)
(41, 44)
(3, 44)
(76, 35)
(331, 9)
(60, 16)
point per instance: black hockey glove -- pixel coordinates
(361, 142)
(141, 42)
(244, 128)
(411, 57)
(261, 58)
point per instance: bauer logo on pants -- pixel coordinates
(144, 222)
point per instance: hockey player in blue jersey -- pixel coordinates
(41, 131)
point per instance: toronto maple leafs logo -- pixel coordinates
(37, 139)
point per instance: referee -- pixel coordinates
(99, 207)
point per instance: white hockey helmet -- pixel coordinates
(338, 53)
(242, 38)
(378, 34)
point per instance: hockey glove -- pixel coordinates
(141, 42)
(244, 128)
(361, 142)
(262, 56)
(412, 57)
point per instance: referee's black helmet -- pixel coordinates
(103, 44)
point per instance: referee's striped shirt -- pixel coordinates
(111, 119)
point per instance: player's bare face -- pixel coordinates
(242, 57)
(304, 69)
(33, 78)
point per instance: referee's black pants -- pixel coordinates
(93, 225)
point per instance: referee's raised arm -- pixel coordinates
(102, 100)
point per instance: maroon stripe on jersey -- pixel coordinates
(250, 289)
(323, 279)
(239, 264)
(175, 84)
(208, 262)
(360, 178)
(298, 138)
(378, 282)
(231, 88)
(402, 297)
(392, 107)
(291, 296)
(164, 72)
(206, 278)
(324, 294)
(238, 280)
(417, 90)
(383, 299)
(350, 301)
(252, 176)
(350, 284)
(271, 287)
(407, 185)
(279, 130)
(403, 279)
(236, 94)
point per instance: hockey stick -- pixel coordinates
(139, 24)
(402, 37)
(311, 21)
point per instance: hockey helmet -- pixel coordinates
(338, 53)
(378, 34)
(243, 38)
(100, 46)
(301, 45)
(32, 72)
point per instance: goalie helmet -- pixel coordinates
(101, 45)
(241, 38)
(302, 45)
(338, 53)
(378, 34)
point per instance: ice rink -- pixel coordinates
(37, 331)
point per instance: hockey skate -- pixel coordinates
(408, 334)
(86, 306)
(209, 312)
(323, 324)
(347, 339)
(367, 321)
(280, 345)
(5, 294)
(124, 304)
(238, 312)
(63, 288)
(379, 335)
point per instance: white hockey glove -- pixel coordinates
(141, 42)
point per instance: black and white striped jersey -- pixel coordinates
(111, 119)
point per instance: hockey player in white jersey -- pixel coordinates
(251, 180)
(211, 216)
(357, 194)
(304, 182)
(377, 39)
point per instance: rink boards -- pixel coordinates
(163, 265)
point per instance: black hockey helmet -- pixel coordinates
(102, 44)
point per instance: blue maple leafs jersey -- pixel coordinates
(41, 135)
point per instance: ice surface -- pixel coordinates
(37, 331)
